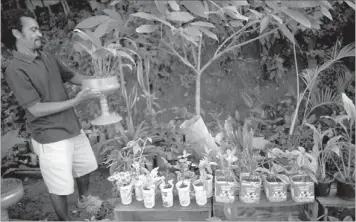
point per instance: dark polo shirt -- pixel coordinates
(40, 79)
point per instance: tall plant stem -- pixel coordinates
(198, 80)
(298, 96)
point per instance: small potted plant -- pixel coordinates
(250, 180)
(345, 175)
(167, 192)
(122, 182)
(184, 178)
(149, 182)
(206, 172)
(225, 180)
(275, 180)
(303, 167)
(323, 153)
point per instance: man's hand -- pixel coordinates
(86, 94)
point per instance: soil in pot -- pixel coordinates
(183, 185)
(167, 186)
(273, 180)
(301, 179)
(345, 191)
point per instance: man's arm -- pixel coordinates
(44, 109)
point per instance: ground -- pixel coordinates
(36, 204)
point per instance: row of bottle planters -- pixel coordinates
(225, 191)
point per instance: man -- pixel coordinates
(64, 151)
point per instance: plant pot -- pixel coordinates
(11, 192)
(276, 191)
(322, 189)
(250, 191)
(209, 192)
(345, 191)
(126, 194)
(302, 191)
(197, 135)
(138, 191)
(200, 192)
(149, 197)
(183, 193)
(224, 190)
(167, 195)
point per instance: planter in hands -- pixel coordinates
(167, 194)
(183, 188)
(275, 189)
(302, 189)
(149, 196)
(250, 188)
(344, 190)
(200, 192)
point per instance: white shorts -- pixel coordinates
(63, 160)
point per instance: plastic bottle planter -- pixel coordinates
(149, 196)
(126, 194)
(302, 189)
(224, 190)
(209, 192)
(276, 191)
(200, 192)
(167, 194)
(250, 188)
(138, 191)
(183, 192)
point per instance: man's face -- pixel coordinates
(30, 35)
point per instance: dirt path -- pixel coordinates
(36, 204)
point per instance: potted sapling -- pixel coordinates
(206, 172)
(184, 178)
(345, 175)
(149, 182)
(225, 179)
(323, 153)
(275, 180)
(250, 180)
(122, 181)
(303, 167)
(139, 161)
(167, 186)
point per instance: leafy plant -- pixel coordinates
(150, 179)
(323, 153)
(205, 165)
(104, 58)
(347, 123)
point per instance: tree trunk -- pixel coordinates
(197, 94)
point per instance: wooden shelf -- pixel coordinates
(136, 211)
(333, 201)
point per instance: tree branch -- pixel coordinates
(186, 62)
(232, 48)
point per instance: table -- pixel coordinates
(137, 212)
(263, 209)
(333, 201)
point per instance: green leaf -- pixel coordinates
(286, 32)
(174, 5)
(180, 16)
(264, 23)
(209, 33)
(297, 16)
(278, 19)
(126, 55)
(115, 2)
(113, 14)
(146, 28)
(326, 3)
(92, 22)
(102, 28)
(236, 23)
(349, 106)
(144, 15)
(232, 12)
(326, 12)
(193, 31)
(240, 3)
(195, 7)
(351, 4)
(300, 4)
(204, 24)
(161, 6)
(258, 14)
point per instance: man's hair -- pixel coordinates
(12, 20)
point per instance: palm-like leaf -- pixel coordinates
(343, 80)
(322, 97)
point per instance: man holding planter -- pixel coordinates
(36, 79)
